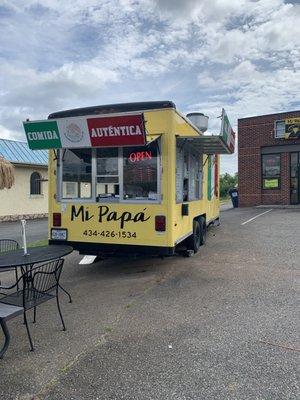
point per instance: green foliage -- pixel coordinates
(43, 242)
(227, 181)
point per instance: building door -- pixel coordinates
(295, 178)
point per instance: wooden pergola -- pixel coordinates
(7, 174)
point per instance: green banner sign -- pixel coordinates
(271, 183)
(42, 135)
(227, 133)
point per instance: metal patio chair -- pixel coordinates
(40, 284)
(5, 246)
(7, 312)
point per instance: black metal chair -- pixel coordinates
(8, 245)
(5, 246)
(7, 312)
(40, 284)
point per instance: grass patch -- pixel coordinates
(37, 243)
(65, 369)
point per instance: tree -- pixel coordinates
(227, 181)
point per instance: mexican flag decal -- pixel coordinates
(212, 177)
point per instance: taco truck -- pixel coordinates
(134, 178)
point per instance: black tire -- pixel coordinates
(203, 231)
(194, 241)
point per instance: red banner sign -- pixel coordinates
(126, 130)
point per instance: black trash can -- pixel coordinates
(234, 197)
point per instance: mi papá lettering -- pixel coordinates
(106, 215)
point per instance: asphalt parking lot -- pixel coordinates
(220, 325)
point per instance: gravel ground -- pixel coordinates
(219, 325)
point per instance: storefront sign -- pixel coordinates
(140, 156)
(126, 130)
(270, 183)
(78, 132)
(42, 135)
(292, 128)
(73, 132)
(227, 133)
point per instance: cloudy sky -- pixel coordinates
(242, 55)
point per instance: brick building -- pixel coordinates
(269, 159)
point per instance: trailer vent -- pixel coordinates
(199, 120)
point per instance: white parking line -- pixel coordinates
(256, 216)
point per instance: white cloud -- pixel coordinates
(239, 54)
(7, 133)
(254, 91)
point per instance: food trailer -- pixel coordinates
(135, 178)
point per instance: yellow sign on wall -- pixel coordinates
(271, 183)
(292, 128)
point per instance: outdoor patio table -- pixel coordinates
(35, 255)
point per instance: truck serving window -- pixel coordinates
(140, 171)
(107, 174)
(195, 177)
(188, 174)
(110, 174)
(77, 173)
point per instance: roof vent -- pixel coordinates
(199, 120)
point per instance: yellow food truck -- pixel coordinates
(136, 178)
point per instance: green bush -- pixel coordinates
(227, 181)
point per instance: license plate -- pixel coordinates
(59, 234)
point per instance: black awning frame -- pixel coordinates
(205, 144)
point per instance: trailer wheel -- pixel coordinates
(194, 241)
(203, 230)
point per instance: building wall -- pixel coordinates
(253, 134)
(17, 202)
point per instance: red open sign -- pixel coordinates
(140, 156)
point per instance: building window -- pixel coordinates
(279, 129)
(140, 173)
(107, 174)
(271, 171)
(195, 177)
(35, 183)
(111, 174)
(77, 174)
(71, 189)
(179, 173)
(188, 174)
